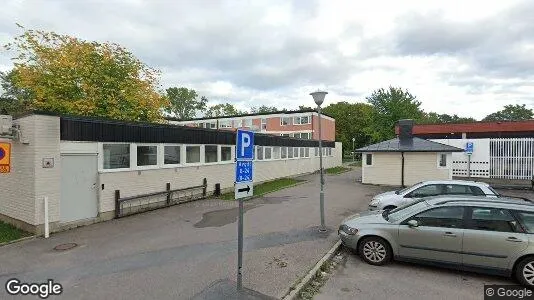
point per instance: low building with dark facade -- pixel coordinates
(92, 170)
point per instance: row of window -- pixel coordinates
(302, 120)
(481, 218)
(298, 135)
(119, 156)
(267, 153)
(247, 122)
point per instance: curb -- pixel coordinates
(18, 240)
(293, 294)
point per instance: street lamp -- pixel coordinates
(353, 153)
(318, 97)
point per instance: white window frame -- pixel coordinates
(263, 123)
(298, 152)
(298, 120)
(439, 159)
(201, 162)
(133, 162)
(307, 152)
(231, 154)
(265, 150)
(276, 150)
(238, 123)
(281, 152)
(225, 124)
(161, 153)
(218, 154)
(248, 122)
(290, 149)
(288, 121)
(365, 159)
(158, 159)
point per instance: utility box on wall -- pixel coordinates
(6, 122)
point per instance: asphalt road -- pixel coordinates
(179, 252)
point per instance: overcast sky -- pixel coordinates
(464, 57)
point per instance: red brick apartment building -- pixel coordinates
(302, 124)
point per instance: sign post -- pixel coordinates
(469, 146)
(244, 176)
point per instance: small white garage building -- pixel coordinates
(406, 160)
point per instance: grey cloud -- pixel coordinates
(492, 46)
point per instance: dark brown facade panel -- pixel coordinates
(94, 130)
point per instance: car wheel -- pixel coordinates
(390, 207)
(375, 251)
(525, 271)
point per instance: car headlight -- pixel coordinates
(348, 230)
(374, 202)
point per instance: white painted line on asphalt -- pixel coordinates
(294, 293)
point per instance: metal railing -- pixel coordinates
(141, 203)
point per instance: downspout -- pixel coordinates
(402, 169)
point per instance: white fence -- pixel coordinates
(512, 158)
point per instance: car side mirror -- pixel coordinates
(413, 223)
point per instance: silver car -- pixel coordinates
(490, 235)
(394, 199)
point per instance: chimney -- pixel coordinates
(405, 132)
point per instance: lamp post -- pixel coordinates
(318, 97)
(353, 153)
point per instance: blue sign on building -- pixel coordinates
(243, 171)
(244, 145)
(469, 147)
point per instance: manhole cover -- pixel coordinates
(63, 247)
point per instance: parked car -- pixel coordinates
(493, 235)
(394, 199)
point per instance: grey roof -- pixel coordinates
(413, 145)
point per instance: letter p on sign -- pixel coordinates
(245, 145)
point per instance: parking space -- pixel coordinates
(355, 279)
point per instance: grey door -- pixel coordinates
(78, 187)
(437, 238)
(492, 236)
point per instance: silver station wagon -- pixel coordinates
(490, 235)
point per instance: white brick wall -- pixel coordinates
(17, 189)
(23, 189)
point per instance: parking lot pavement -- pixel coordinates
(355, 279)
(179, 252)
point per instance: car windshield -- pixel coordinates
(493, 190)
(400, 212)
(406, 189)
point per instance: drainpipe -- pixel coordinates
(402, 169)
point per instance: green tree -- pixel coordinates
(511, 113)
(223, 109)
(64, 74)
(435, 118)
(184, 103)
(264, 109)
(13, 100)
(353, 120)
(389, 106)
(303, 107)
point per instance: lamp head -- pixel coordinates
(318, 97)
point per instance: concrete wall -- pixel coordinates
(419, 166)
(23, 190)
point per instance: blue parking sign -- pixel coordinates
(243, 171)
(244, 145)
(469, 147)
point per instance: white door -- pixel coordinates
(78, 187)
